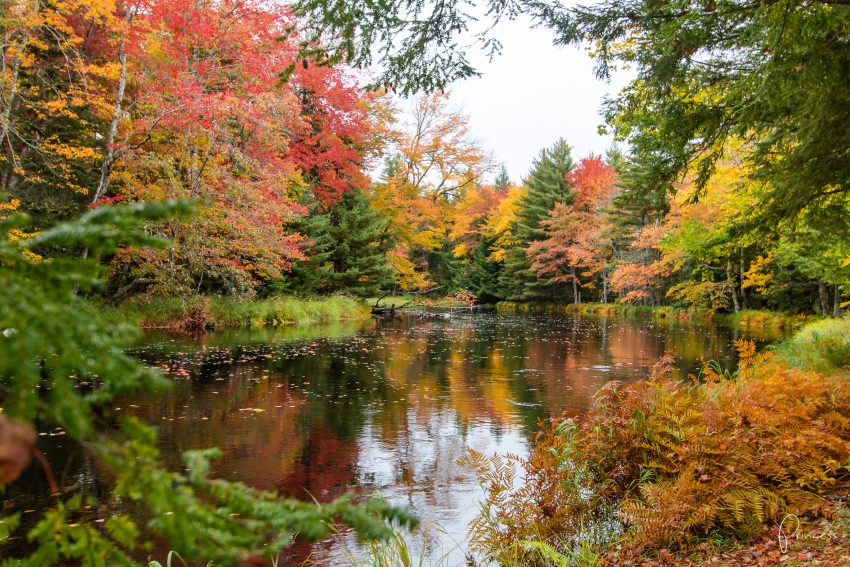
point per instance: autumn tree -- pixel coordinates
(211, 120)
(578, 246)
(501, 224)
(434, 163)
(416, 223)
(472, 238)
(55, 100)
(546, 186)
(438, 155)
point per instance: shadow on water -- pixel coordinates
(387, 405)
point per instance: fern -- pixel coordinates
(660, 463)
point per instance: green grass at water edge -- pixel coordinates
(822, 345)
(747, 319)
(287, 311)
(170, 312)
(605, 309)
(144, 312)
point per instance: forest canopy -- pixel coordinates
(730, 191)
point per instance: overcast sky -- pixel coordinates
(532, 94)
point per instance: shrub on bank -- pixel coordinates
(661, 463)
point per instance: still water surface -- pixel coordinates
(390, 406)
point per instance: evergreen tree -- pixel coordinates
(546, 185)
(502, 181)
(350, 242)
(442, 267)
(480, 275)
(639, 201)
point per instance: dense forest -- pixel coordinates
(251, 151)
(135, 103)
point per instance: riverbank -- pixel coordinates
(746, 319)
(416, 300)
(199, 312)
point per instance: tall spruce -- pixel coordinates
(546, 185)
(639, 201)
(350, 242)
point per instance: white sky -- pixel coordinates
(532, 94)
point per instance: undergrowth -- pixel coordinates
(663, 463)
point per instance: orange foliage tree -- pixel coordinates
(211, 120)
(55, 101)
(434, 165)
(578, 246)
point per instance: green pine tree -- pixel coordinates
(480, 275)
(350, 242)
(639, 201)
(546, 185)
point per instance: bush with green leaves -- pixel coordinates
(61, 366)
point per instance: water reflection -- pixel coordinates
(391, 405)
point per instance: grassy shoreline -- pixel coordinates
(746, 319)
(197, 312)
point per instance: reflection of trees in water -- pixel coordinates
(392, 407)
(405, 384)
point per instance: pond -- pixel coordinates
(387, 405)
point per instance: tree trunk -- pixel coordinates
(604, 286)
(576, 298)
(109, 152)
(9, 97)
(730, 283)
(109, 147)
(836, 301)
(9, 103)
(744, 303)
(823, 293)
